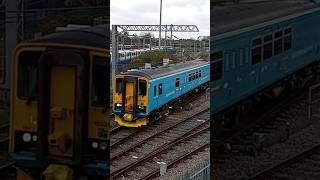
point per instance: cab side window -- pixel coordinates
(100, 81)
(28, 74)
(142, 87)
(160, 89)
(177, 82)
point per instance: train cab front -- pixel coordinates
(58, 110)
(130, 100)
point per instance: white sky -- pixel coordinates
(193, 12)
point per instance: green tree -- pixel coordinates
(153, 57)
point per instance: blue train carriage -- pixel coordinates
(145, 95)
(261, 50)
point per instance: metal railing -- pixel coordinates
(199, 172)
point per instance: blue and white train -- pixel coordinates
(141, 96)
(261, 50)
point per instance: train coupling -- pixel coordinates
(128, 117)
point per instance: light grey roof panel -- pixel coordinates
(164, 71)
(226, 18)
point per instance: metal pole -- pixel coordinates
(115, 59)
(165, 38)
(122, 42)
(160, 24)
(11, 39)
(171, 36)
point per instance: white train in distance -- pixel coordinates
(128, 54)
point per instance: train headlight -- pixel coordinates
(103, 146)
(117, 106)
(26, 137)
(94, 145)
(142, 109)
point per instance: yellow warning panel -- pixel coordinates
(21, 175)
(58, 172)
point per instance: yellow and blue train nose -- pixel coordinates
(129, 120)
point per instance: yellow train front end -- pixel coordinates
(130, 100)
(59, 109)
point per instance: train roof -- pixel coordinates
(231, 17)
(97, 36)
(167, 70)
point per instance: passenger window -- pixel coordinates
(277, 47)
(199, 74)
(28, 74)
(267, 47)
(177, 82)
(278, 34)
(154, 90)
(256, 51)
(160, 89)
(287, 41)
(190, 77)
(142, 87)
(216, 67)
(287, 31)
(100, 82)
(256, 42)
(267, 38)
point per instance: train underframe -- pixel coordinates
(180, 103)
(231, 117)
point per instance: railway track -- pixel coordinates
(305, 164)
(6, 164)
(185, 145)
(6, 167)
(276, 119)
(274, 126)
(170, 132)
(128, 145)
(171, 164)
(120, 135)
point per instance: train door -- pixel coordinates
(63, 106)
(62, 103)
(130, 95)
